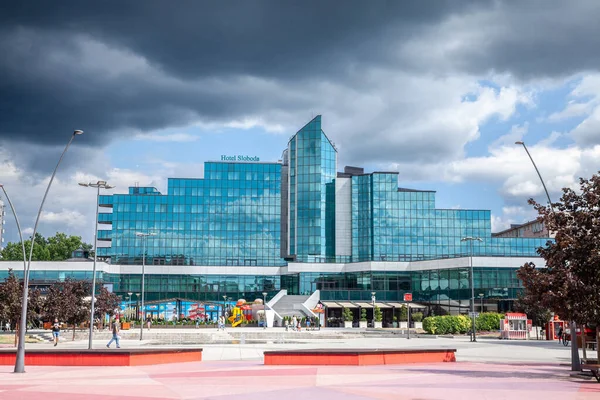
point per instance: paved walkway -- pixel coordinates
(250, 380)
(489, 369)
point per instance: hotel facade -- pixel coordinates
(298, 227)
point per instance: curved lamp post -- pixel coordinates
(18, 228)
(98, 185)
(20, 359)
(575, 363)
(143, 236)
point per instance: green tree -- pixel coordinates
(69, 302)
(56, 248)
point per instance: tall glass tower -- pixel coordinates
(312, 170)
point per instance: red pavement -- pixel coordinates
(251, 380)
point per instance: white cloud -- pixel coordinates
(516, 133)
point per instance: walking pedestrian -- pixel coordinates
(115, 331)
(560, 333)
(148, 322)
(55, 331)
(294, 323)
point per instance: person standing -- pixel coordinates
(115, 331)
(148, 322)
(294, 323)
(55, 331)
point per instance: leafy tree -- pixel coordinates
(106, 303)
(69, 302)
(570, 285)
(56, 248)
(11, 295)
(363, 315)
(528, 304)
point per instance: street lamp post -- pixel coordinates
(373, 304)
(144, 236)
(98, 185)
(471, 240)
(18, 228)
(575, 363)
(265, 308)
(20, 359)
(224, 304)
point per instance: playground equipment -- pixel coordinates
(239, 313)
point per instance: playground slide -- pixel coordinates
(237, 317)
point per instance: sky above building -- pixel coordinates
(436, 90)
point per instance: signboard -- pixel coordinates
(239, 158)
(473, 314)
(407, 296)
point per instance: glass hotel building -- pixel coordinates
(298, 224)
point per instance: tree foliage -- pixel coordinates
(11, 295)
(570, 285)
(69, 302)
(106, 303)
(55, 248)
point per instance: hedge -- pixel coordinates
(445, 324)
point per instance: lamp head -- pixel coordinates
(519, 142)
(84, 184)
(78, 132)
(109, 186)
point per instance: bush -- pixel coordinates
(347, 315)
(363, 315)
(378, 314)
(446, 324)
(403, 313)
(488, 322)
(417, 317)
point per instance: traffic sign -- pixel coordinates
(407, 296)
(473, 314)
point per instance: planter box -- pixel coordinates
(395, 324)
(347, 324)
(362, 324)
(125, 326)
(378, 324)
(418, 325)
(404, 324)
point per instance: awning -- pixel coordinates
(330, 304)
(347, 305)
(364, 305)
(382, 305)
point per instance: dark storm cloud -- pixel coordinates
(284, 41)
(196, 52)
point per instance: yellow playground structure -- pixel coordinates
(239, 313)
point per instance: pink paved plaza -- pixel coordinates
(252, 380)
